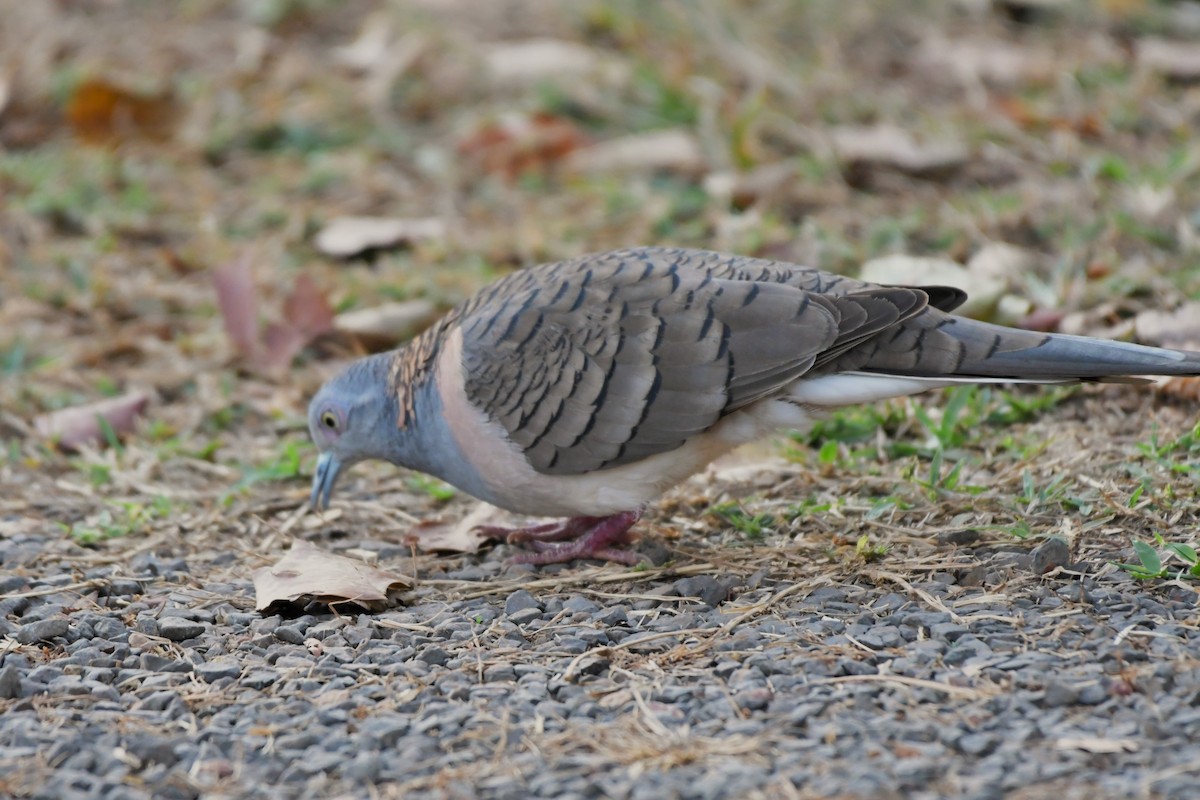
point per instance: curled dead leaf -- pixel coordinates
(466, 535)
(990, 60)
(237, 300)
(893, 148)
(74, 427)
(306, 309)
(344, 237)
(388, 324)
(529, 61)
(309, 574)
(514, 144)
(655, 151)
(306, 315)
(1175, 60)
(1182, 388)
(101, 112)
(1179, 328)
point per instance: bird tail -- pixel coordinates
(939, 345)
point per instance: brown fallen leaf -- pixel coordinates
(989, 60)
(531, 61)
(1045, 320)
(1176, 61)
(514, 144)
(1096, 744)
(1179, 328)
(466, 535)
(386, 325)
(654, 151)
(307, 314)
(344, 237)
(74, 427)
(237, 300)
(893, 148)
(310, 574)
(100, 112)
(1182, 388)
(307, 310)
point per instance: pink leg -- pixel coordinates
(560, 531)
(580, 537)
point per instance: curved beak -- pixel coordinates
(324, 478)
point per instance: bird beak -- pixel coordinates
(324, 478)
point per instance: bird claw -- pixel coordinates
(577, 537)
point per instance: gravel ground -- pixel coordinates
(967, 676)
(963, 651)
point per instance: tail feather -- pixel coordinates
(939, 345)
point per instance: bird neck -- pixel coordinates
(411, 370)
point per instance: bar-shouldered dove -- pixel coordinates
(585, 389)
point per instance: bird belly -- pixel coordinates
(500, 474)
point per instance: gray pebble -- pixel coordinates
(1058, 693)
(434, 655)
(524, 616)
(42, 631)
(10, 682)
(1052, 553)
(220, 668)
(521, 600)
(178, 629)
(711, 591)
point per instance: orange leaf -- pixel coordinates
(521, 143)
(100, 112)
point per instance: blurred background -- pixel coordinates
(205, 204)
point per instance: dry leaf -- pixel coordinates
(387, 324)
(1182, 388)
(534, 60)
(308, 574)
(1045, 320)
(514, 144)
(71, 428)
(1108, 320)
(1175, 61)
(1179, 329)
(100, 112)
(744, 188)
(280, 344)
(307, 310)
(1096, 744)
(668, 151)
(307, 315)
(982, 293)
(988, 60)
(890, 147)
(348, 236)
(238, 301)
(466, 535)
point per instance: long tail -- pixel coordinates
(935, 349)
(939, 345)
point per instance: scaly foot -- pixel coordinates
(577, 537)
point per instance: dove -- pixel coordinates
(584, 389)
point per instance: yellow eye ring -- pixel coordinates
(329, 420)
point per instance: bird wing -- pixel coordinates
(609, 359)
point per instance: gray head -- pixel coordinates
(352, 418)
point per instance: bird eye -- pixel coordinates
(329, 420)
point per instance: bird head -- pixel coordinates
(351, 418)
